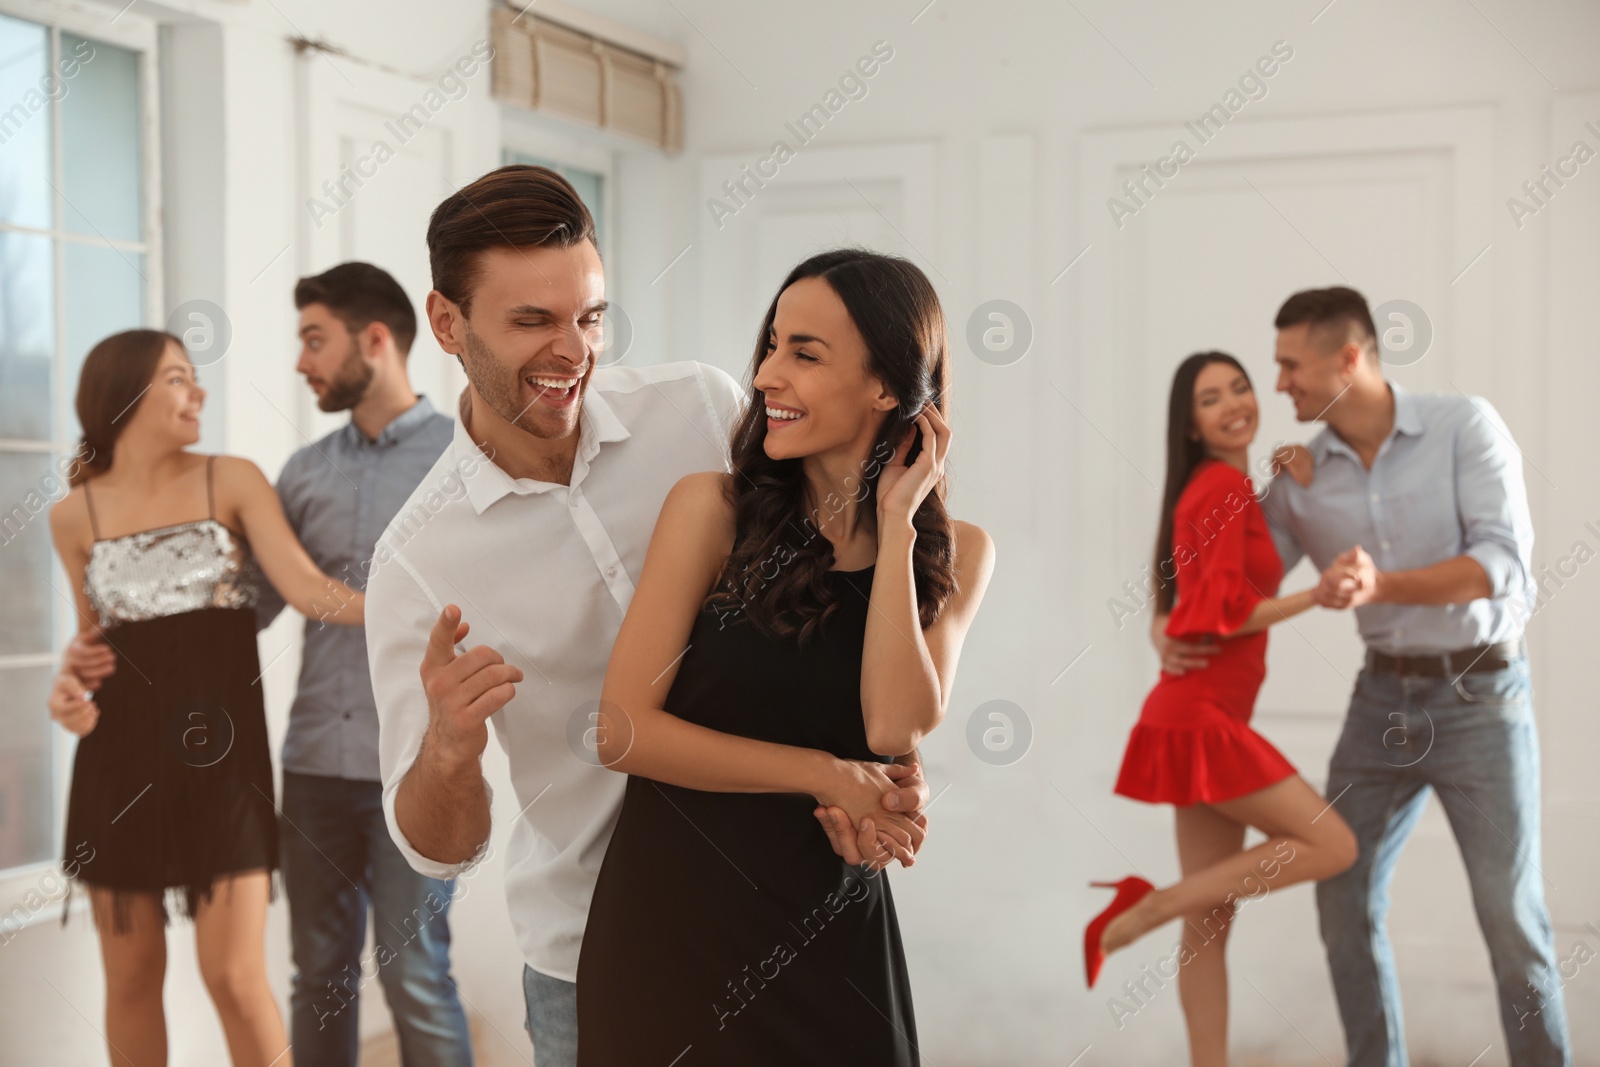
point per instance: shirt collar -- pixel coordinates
(404, 424)
(486, 482)
(1407, 420)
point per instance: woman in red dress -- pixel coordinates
(1193, 746)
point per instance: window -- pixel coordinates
(78, 261)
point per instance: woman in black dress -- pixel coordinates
(796, 626)
(171, 793)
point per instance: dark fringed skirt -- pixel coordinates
(172, 789)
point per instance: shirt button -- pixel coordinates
(611, 572)
(1385, 544)
(1374, 498)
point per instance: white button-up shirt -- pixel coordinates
(544, 573)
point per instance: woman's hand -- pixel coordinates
(856, 790)
(901, 489)
(1296, 461)
(72, 705)
(90, 658)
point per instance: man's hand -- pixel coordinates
(870, 844)
(72, 705)
(463, 690)
(1297, 461)
(1350, 581)
(90, 658)
(1179, 657)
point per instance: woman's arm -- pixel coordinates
(907, 672)
(693, 536)
(245, 493)
(1279, 609)
(71, 703)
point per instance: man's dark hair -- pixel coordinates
(516, 206)
(359, 294)
(1337, 315)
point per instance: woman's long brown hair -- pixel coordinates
(775, 571)
(1185, 451)
(115, 375)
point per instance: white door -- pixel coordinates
(380, 152)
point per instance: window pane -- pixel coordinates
(27, 336)
(25, 196)
(100, 140)
(26, 794)
(27, 489)
(104, 295)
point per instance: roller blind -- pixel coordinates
(560, 71)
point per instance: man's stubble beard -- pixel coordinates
(502, 391)
(350, 382)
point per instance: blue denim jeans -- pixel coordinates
(1472, 741)
(552, 1019)
(338, 859)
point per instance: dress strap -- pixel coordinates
(211, 496)
(88, 499)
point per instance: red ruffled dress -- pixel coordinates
(1193, 743)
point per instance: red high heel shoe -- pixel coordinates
(1130, 891)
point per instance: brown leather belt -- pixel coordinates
(1449, 664)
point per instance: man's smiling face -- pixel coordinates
(534, 333)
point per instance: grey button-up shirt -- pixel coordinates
(1446, 482)
(339, 495)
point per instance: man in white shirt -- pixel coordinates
(531, 528)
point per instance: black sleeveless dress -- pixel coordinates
(723, 929)
(173, 786)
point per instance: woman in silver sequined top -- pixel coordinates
(172, 788)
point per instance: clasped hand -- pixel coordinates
(873, 814)
(1350, 581)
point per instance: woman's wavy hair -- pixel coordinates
(775, 571)
(1184, 453)
(115, 375)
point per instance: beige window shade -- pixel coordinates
(560, 71)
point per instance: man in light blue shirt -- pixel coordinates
(356, 327)
(1418, 517)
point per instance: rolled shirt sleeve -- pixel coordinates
(1492, 499)
(400, 613)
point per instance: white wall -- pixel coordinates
(986, 148)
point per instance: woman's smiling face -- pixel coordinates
(170, 406)
(1225, 414)
(820, 396)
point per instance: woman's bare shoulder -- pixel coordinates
(236, 470)
(971, 540)
(70, 514)
(697, 518)
(705, 493)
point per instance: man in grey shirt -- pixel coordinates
(1418, 517)
(356, 327)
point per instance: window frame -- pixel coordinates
(141, 36)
